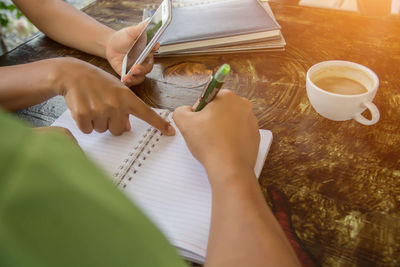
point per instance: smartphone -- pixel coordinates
(148, 37)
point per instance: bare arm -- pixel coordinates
(97, 100)
(25, 85)
(244, 232)
(71, 27)
(224, 137)
(67, 25)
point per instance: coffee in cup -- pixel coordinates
(340, 85)
(342, 90)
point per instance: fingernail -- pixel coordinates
(170, 130)
(127, 80)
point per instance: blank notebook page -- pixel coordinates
(170, 186)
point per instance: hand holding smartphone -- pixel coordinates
(148, 38)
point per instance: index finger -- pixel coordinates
(139, 109)
(143, 68)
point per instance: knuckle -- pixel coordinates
(81, 115)
(117, 125)
(226, 92)
(85, 130)
(100, 126)
(110, 108)
(179, 113)
(98, 111)
(112, 105)
(116, 132)
(100, 130)
(83, 122)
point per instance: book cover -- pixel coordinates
(213, 23)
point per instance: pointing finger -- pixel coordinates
(142, 111)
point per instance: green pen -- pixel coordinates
(212, 88)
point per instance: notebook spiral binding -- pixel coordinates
(132, 163)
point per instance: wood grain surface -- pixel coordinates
(334, 186)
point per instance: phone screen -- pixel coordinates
(152, 31)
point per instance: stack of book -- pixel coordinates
(200, 27)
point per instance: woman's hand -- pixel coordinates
(118, 46)
(71, 27)
(222, 136)
(98, 100)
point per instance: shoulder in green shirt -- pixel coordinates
(58, 209)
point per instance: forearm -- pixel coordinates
(25, 85)
(67, 25)
(244, 232)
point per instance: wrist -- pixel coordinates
(61, 71)
(229, 173)
(50, 73)
(54, 76)
(106, 40)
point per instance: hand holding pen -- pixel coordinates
(212, 88)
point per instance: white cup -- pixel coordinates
(340, 107)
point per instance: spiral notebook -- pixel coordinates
(160, 175)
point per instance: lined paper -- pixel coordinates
(170, 186)
(106, 150)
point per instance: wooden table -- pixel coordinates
(335, 186)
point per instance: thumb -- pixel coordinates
(181, 113)
(134, 30)
(145, 22)
(196, 104)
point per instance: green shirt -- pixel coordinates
(58, 209)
